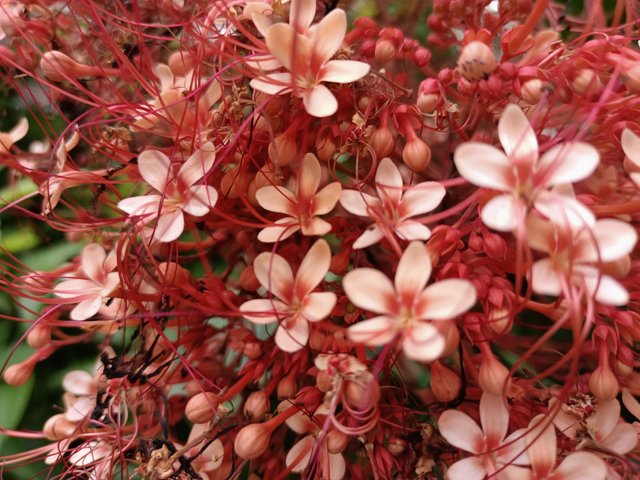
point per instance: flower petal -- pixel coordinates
(93, 257)
(608, 240)
(370, 236)
(564, 211)
(622, 439)
(389, 182)
(357, 202)
(197, 165)
(494, 418)
(410, 230)
(461, 431)
(277, 199)
(343, 71)
(203, 199)
(581, 466)
(279, 233)
(291, 336)
(288, 46)
(300, 453)
(421, 198)
(313, 268)
(567, 163)
(327, 38)
(545, 280)
(471, 468)
(602, 423)
(423, 342)
(300, 17)
(309, 175)
(326, 199)
(373, 332)
(605, 289)
(318, 305)
(169, 226)
(277, 83)
(142, 205)
(541, 438)
(516, 135)
(503, 213)
(78, 382)
(337, 466)
(320, 102)
(263, 310)
(274, 273)
(414, 270)
(87, 308)
(446, 299)
(370, 289)
(154, 168)
(484, 166)
(631, 146)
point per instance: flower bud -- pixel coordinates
(58, 67)
(256, 406)
(252, 441)
(494, 377)
(19, 373)
(531, 91)
(283, 150)
(421, 56)
(623, 369)
(428, 102)
(500, 320)
(416, 154)
(385, 51)
(603, 382)
(396, 446)
(248, 280)
(202, 407)
(58, 427)
(382, 142)
(362, 395)
(287, 387)
(180, 62)
(587, 83)
(39, 336)
(445, 383)
(476, 61)
(234, 183)
(324, 382)
(252, 350)
(325, 147)
(336, 441)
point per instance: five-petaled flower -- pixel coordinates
(307, 59)
(407, 308)
(392, 209)
(295, 304)
(526, 179)
(177, 194)
(303, 207)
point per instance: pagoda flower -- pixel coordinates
(177, 193)
(407, 309)
(302, 207)
(295, 304)
(542, 450)
(307, 60)
(631, 147)
(7, 139)
(525, 178)
(93, 291)
(491, 450)
(600, 426)
(393, 207)
(579, 256)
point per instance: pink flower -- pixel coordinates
(542, 452)
(295, 304)
(631, 147)
(92, 292)
(7, 139)
(176, 194)
(488, 444)
(576, 256)
(303, 207)
(526, 179)
(307, 60)
(392, 209)
(407, 308)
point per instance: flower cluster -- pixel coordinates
(312, 249)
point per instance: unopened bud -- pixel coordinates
(39, 336)
(19, 373)
(202, 407)
(336, 441)
(382, 142)
(397, 446)
(476, 61)
(58, 67)
(248, 280)
(362, 395)
(252, 441)
(287, 387)
(603, 383)
(385, 51)
(428, 102)
(256, 406)
(445, 383)
(234, 183)
(325, 148)
(493, 377)
(252, 350)
(500, 320)
(283, 150)
(416, 154)
(531, 91)
(587, 83)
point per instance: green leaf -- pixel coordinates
(18, 240)
(16, 191)
(52, 256)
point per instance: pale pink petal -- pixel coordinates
(203, 198)
(421, 198)
(300, 453)
(567, 163)
(446, 299)
(89, 453)
(494, 418)
(288, 46)
(373, 332)
(622, 439)
(299, 422)
(274, 273)
(613, 239)
(503, 213)
(541, 439)
(313, 268)
(631, 403)
(337, 466)
(320, 102)
(581, 466)
(631, 146)
(293, 336)
(20, 130)
(169, 226)
(566, 423)
(316, 227)
(389, 182)
(78, 382)
(414, 270)
(301, 15)
(326, 199)
(484, 166)
(514, 449)
(279, 233)
(277, 199)
(262, 22)
(265, 62)
(79, 409)
(635, 178)
(327, 38)
(309, 175)
(607, 290)
(93, 257)
(371, 235)
(371, 290)
(154, 168)
(273, 84)
(86, 309)
(545, 280)
(564, 210)
(263, 310)
(423, 342)
(76, 288)
(214, 455)
(471, 468)
(142, 205)
(516, 136)
(411, 230)
(461, 431)
(602, 423)
(358, 203)
(318, 305)
(197, 165)
(540, 233)
(516, 473)
(343, 71)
